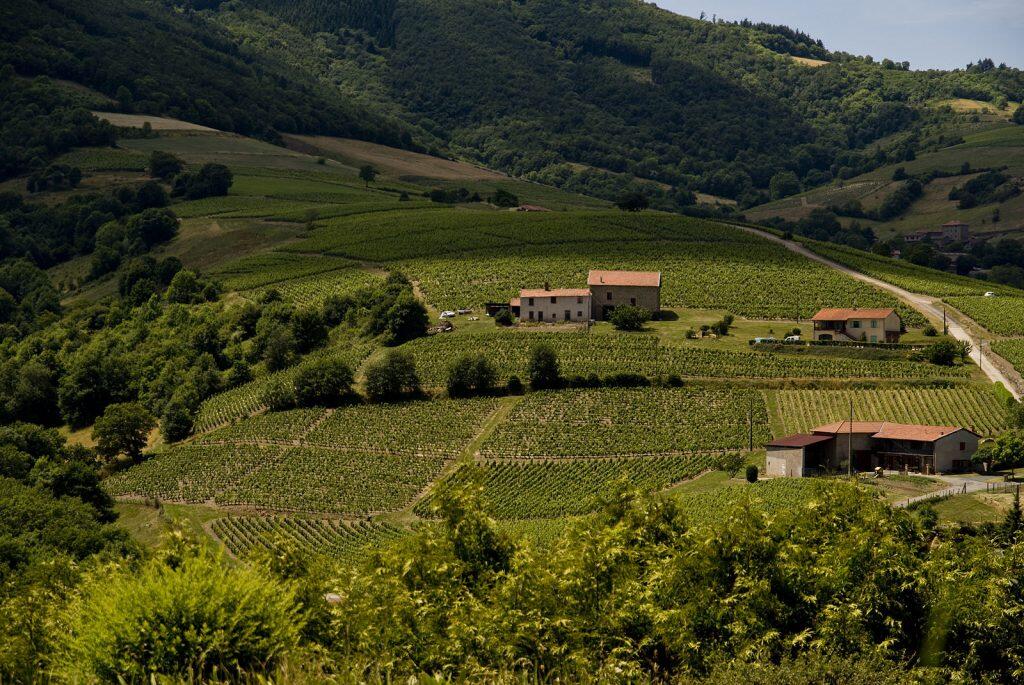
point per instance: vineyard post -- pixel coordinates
(944, 328)
(750, 425)
(849, 444)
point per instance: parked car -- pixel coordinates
(990, 294)
(759, 341)
(465, 311)
(791, 338)
(447, 314)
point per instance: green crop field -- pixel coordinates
(796, 411)
(318, 479)
(1000, 315)
(192, 473)
(274, 267)
(1011, 350)
(344, 541)
(354, 460)
(272, 427)
(314, 289)
(626, 421)
(439, 427)
(569, 487)
(916, 279)
(583, 354)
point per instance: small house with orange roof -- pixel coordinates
(858, 325)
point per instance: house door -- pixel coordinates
(606, 311)
(568, 315)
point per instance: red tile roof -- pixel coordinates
(564, 292)
(899, 431)
(514, 302)
(645, 279)
(861, 427)
(885, 430)
(799, 440)
(952, 224)
(847, 314)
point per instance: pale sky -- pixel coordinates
(929, 33)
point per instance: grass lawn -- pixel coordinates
(147, 525)
(976, 507)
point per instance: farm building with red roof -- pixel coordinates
(858, 325)
(611, 289)
(871, 444)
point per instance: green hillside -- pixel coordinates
(256, 423)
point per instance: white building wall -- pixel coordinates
(544, 310)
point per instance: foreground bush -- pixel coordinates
(193, 618)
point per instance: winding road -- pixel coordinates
(992, 365)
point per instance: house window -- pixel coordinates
(855, 324)
(579, 300)
(530, 302)
(609, 295)
(531, 314)
(579, 315)
(963, 446)
(874, 323)
(554, 300)
(632, 301)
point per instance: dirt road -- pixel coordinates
(991, 364)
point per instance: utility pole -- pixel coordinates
(849, 444)
(945, 330)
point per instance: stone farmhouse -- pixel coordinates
(950, 232)
(894, 446)
(858, 325)
(611, 289)
(606, 290)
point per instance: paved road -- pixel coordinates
(991, 364)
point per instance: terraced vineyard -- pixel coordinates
(583, 354)
(279, 427)
(273, 267)
(624, 421)
(356, 460)
(314, 289)
(796, 411)
(1001, 315)
(334, 481)
(1012, 351)
(339, 540)
(439, 427)
(192, 473)
(916, 279)
(547, 489)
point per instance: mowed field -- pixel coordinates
(342, 481)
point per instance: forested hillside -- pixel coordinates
(583, 95)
